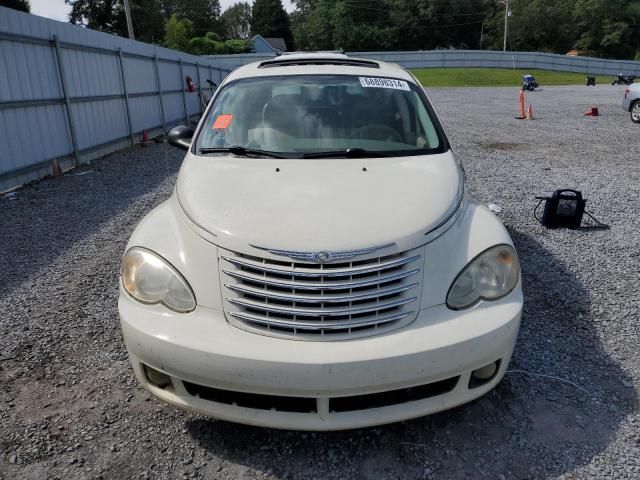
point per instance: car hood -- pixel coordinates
(318, 205)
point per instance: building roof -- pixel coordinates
(262, 44)
(277, 43)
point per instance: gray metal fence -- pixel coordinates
(239, 59)
(73, 94)
(515, 60)
(474, 58)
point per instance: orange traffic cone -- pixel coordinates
(145, 137)
(530, 113)
(522, 114)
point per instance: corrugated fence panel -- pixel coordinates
(28, 71)
(173, 108)
(235, 61)
(472, 58)
(72, 94)
(91, 75)
(492, 59)
(170, 76)
(99, 122)
(140, 75)
(145, 112)
(42, 135)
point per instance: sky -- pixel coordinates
(57, 9)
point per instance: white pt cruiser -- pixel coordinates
(319, 265)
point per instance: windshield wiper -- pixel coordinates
(239, 150)
(348, 152)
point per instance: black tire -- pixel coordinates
(634, 111)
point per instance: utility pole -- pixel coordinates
(127, 12)
(506, 23)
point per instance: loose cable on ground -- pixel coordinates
(553, 378)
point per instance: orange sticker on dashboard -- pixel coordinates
(222, 122)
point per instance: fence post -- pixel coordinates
(211, 78)
(126, 96)
(199, 88)
(184, 95)
(67, 101)
(155, 64)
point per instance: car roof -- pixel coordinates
(319, 64)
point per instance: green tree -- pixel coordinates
(312, 24)
(237, 21)
(211, 44)
(178, 33)
(361, 26)
(22, 5)
(101, 15)
(269, 19)
(108, 16)
(609, 27)
(203, 14)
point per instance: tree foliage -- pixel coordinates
(203, 14)
(108, 16)
(179, 36)
(269, 19)
(236, 21)
(22, 5)
(610, 28)
(178, 33)
(211, 44)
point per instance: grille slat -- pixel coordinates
(319, 286)
(326, 312)
(320, 298)
(318, 326)
(321, 301)
(324, 272)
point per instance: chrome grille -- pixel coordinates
(321, 301)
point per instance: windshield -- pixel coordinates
(311, 114)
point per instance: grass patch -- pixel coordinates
(498, 77)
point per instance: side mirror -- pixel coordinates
(180, 137)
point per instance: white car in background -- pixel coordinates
(631, 101)
(320, 265)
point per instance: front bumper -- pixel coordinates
(202, 349)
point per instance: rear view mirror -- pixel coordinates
(180, 137)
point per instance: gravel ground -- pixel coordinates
(70, 407)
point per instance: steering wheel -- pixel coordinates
(376, 131)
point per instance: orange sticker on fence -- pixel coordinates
(222, 122)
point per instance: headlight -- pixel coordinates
(490, 276)
(149, 278)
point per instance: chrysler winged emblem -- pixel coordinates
(324, 256)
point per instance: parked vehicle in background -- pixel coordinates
(631, 102)
(320, 264)
(622, 79)
(529, 83)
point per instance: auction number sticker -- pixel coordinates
(375, 82)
